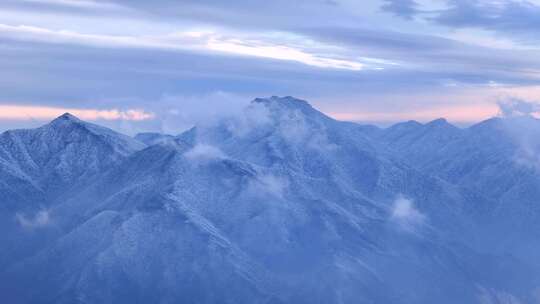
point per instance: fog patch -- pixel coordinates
(248, 119)
(268, 185)
(405, 214)
(174, 114)
(40, 219)
(319, 141)
(178, 113)
(522, 125)
(204, 153)
(296, 130)
(528, 154)
(536, 294)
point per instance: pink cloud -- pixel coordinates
(15, 112)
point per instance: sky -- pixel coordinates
(163, 65)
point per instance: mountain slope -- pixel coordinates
(497, 158)
(41, 167)
(64, 151)
(281, 204)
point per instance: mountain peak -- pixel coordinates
(67, 125)
(68, 116)
(66, 119)
(440, 123)
(281, 106)
(407, 125)
(287, 101)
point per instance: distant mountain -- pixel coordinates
(281, 204)
(417, 140)
(497, 158)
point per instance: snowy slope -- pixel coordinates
(497, 158)
(43, 166)
(281, 204)
(64, 151)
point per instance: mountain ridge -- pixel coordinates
(280, 204)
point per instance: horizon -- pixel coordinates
(382, 126)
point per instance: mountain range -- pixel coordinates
(277, 204)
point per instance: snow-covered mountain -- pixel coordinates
(65, 151)
(43, 166)
(497, 158)
(280, 204)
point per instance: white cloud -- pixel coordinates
(198, 41)
(232, 111)
(40, 219)
(282, 52)
(522, 125)
(181, 112)
(405, 214)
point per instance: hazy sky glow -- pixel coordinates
(137, 64)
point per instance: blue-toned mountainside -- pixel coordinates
(497, 158)
(279, 204)
(153, 138)
(42, 166)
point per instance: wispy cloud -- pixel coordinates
(178, 113)
(493, 296)
(194, 41)
(268, 185)
(282, 52)
(375, 66)
(515, 19)
(40, 219)
(522, 126)
(204, 153)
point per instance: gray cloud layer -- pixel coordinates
(518, 20)
(97, 61)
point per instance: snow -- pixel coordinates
(278, 204)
